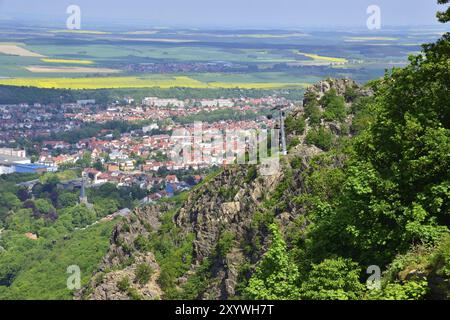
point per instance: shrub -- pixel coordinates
(141, 243)
(334, 106)
(123, 284)
(333, 279)
(312, 111)
(252, 174)
(350, 94)
(225, 244)
(143, 273)
(276, 276)
(411, 290)
(296, 163)
(322, 138)
(295, 125)
(293, 143)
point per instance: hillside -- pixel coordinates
(208, 245)
(365, 186)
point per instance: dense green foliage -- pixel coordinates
(172, 250)
(396, 189)
(67, 233)
(445, 15)
(312, 110)
(143, 273)
(295, 125)
(15, 95)
(37, 269)
(333, 279)
(276, 277)
(320, 137)
(379, 199)
(334, 106)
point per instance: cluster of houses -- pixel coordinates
(15, 161)
(138, 157)
(138, 151)
(33, 120)
(158, 186)
(154, 108)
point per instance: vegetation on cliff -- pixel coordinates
(387, 203)
(365, 187)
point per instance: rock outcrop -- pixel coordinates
(214, 210)
(341, 86)
(107, 284)
(122, 260)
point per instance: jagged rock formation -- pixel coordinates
(106, 285)
(122, 259)
(346, 88)
(214, 210)
(340, 85)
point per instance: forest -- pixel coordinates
(61, 232)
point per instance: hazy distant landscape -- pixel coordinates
(259, 59)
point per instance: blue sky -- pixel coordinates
(229, 13)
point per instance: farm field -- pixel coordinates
(258, 77)
(68, 61)
(167, 58)
(45, 69)
(323, 58)
(163, 82)
(15, 50)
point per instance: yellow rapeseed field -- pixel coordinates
(101, 82)
(323, 58)
(68, 61)
(138, 82)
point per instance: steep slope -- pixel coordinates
(118, 277)
(222, 225)
(363, 190)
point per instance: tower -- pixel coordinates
(283, 133)
(83, 196)
(282, 141)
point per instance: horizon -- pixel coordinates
(266, 15)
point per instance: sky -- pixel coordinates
(227, 13)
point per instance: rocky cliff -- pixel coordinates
(123, 258)
(217, 234)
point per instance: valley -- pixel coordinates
(242, 163)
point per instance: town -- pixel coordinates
(127, 143)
